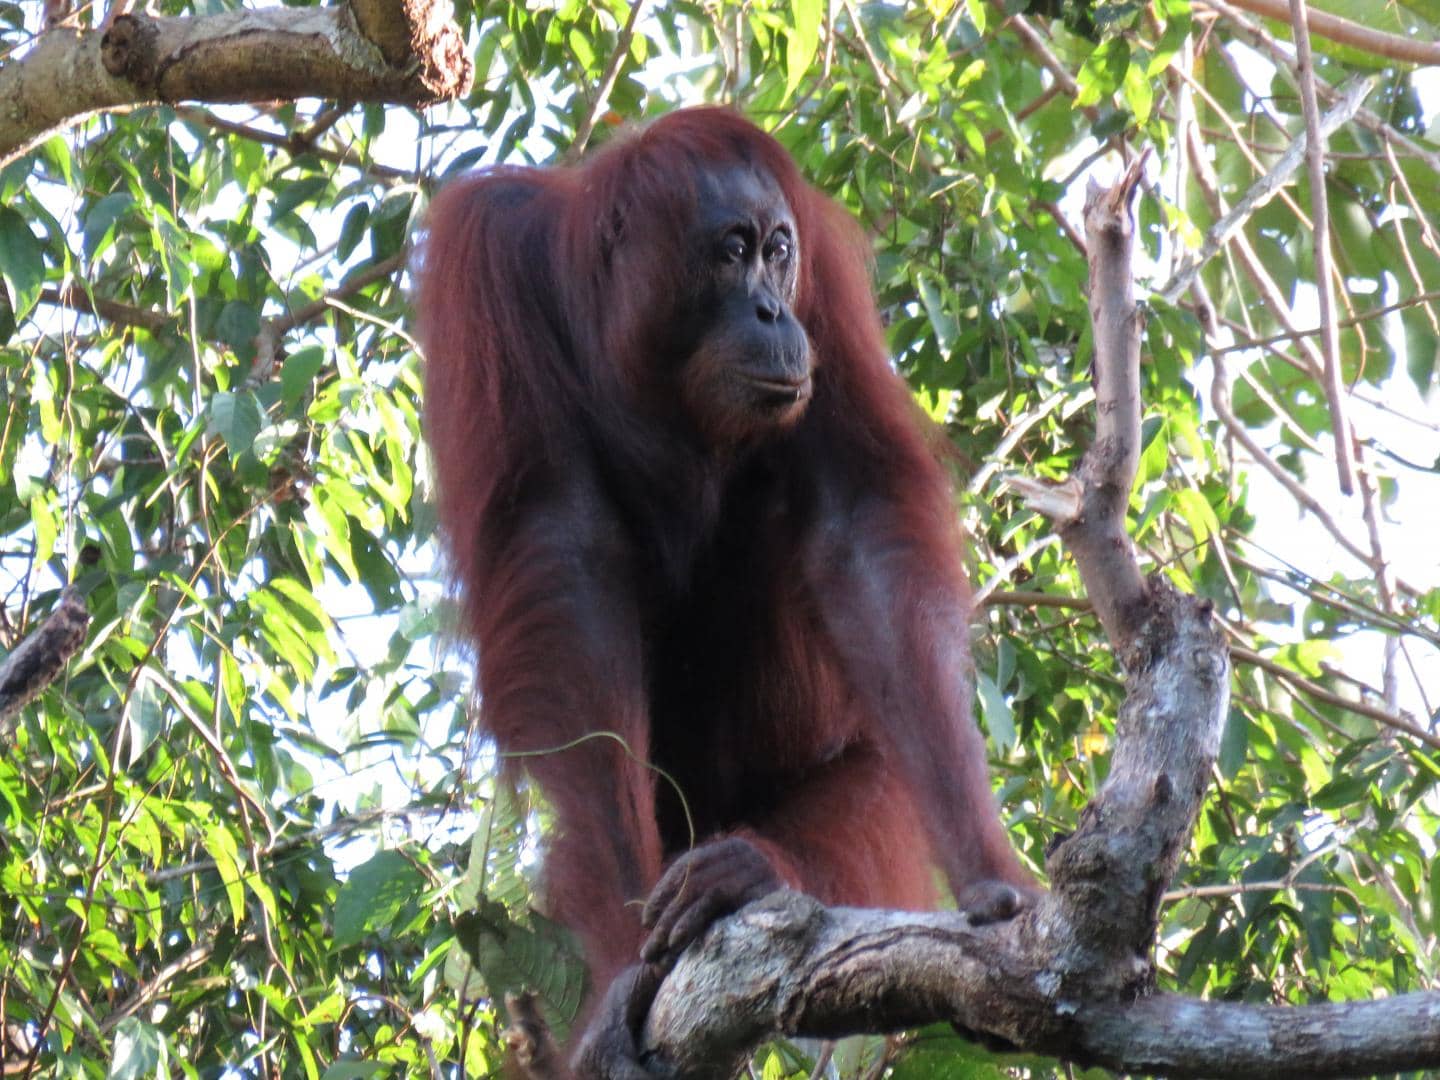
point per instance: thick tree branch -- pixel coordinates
(405, 52)
(789, 965)
(1089, 508)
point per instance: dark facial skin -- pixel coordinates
(749, 366)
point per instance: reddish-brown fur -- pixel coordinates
(781, 628)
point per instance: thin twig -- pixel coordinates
(1285, 63)
(1012, 598)
(1241, 888)
(267, 341)
(1220, 400)
(1261, 192)
(1008, 566)
(77, 299)
(607, 83)
(1319, 693)
(1037, 44)
(1424, 298)
(343, 825)
(293, 144)
(1018, 427)
(822, 1059)
(1247, 147)
(1334, 381)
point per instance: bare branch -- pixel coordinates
(1320, 234)
(297, 143)
(1391, 46)
(1174, 1035)
(1245, 888)
(267, 341)
(77, 299)
(1286, 64)
(1419, 299)
(1004, 598)
(155, 986)
(1042, 51)
(1309, 688)
(787, 964)
(234, 56)
(1090, 508)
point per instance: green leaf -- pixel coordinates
(220, 845)
(238, 324)
(801, 41)
(294, 194)
(1103, 72)
(146, 716)
(232, 685)
(138, 1051)
(22, 262)
(977, 13)
(1197, 513)
(374, 895)
(305, 604)
(999, 717)
(352, 230)
(46, 525)
(1139, 92)
(100, 219)
(237, 419)
(356, 1070)
(1234, 742)
(932, 296)
(1307, 657)
(543, 958)
(940, 1054)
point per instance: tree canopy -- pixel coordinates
(240, 832)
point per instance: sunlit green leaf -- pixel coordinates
(138, 1051)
